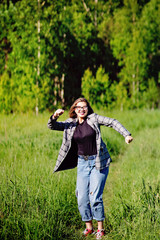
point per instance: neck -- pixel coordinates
(81, 120)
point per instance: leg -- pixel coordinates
(100, 225)
(89, 225)
(97, 183)
(83, 192)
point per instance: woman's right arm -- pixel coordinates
(52, 122)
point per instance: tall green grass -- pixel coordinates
(134, 205)
(37, 204)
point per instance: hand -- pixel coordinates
(57, 113)
(128, 139)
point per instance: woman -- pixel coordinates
(83, 146)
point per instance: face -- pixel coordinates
(81, 110)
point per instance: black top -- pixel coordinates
(85, 138)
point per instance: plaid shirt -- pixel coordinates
(67, 157)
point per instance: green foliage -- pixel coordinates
(47, 47)
(121, 96)
(151, 96)
(7, 98)
(137, 48)
(97, 89)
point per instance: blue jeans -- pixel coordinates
(90, 186)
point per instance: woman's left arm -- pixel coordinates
(115, 124)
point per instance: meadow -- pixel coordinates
(37, 204)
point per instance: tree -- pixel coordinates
(46, 48)
(134, 44)
(97, 89)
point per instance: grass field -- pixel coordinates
(37, 204)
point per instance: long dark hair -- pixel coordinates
(72, 113)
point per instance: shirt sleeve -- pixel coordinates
(54, 125)
(113, 123)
